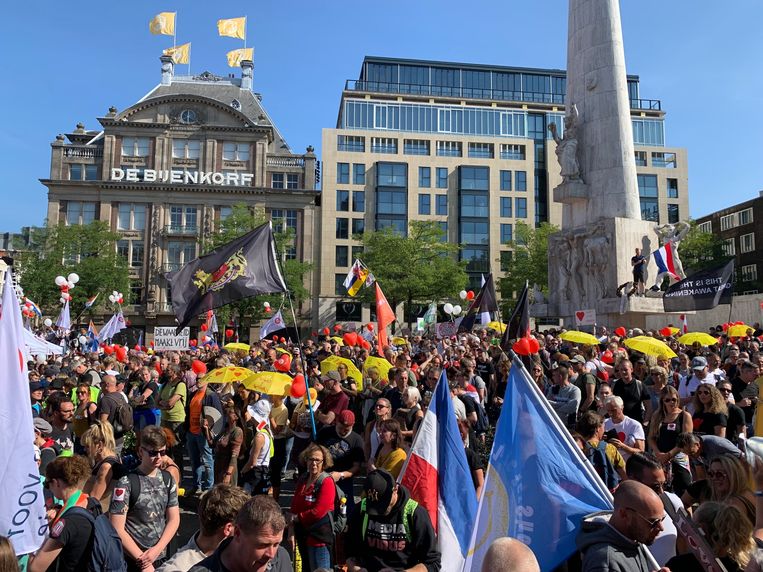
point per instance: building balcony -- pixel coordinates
(477, 93)
(285, 161)
(181, 230)
(83, 151)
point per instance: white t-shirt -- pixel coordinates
(459, 408)
(628, 431)
(688, 387)
(664, 546)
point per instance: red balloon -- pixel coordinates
(121, 353)
(275, 338)
(337, 327)
(665, 332)
(151, 343)
(370, 327)
(267, 310)
(365, 344)
(725, 327)
(283, 340)
(137, 348)
(470, 295)
(326, 331)
(534, 345)
(193, 343)
(228, 333)
(608, 357)
(283, 363)
(621, 332)
(108, 350)
(350, 339)
(522, 347)
(204, 328)
(298, 388)
(199, 367)
(739, 323)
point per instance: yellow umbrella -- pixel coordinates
(577, 337)
(379, 363)
(270, 382)
(650, 346)
(739, 331)
(673, 330)
(398, 341)
(497, 326)
(236, 346)
(228, 374)
(338, 340)
(331, 363)
(283, 351)
(697, 337)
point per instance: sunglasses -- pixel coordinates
(716, 475)
(669, 400)
(380, 406)
(652, 522)
(154, 452)
(703, 393)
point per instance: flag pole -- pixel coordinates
(304, 367)
(245, 22)
(175, 32)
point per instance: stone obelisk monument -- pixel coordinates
(601, 215)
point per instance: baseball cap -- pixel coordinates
(332, 375)
(578, 359)
(698, 362)
(35, 386)
(42, 426)
(346, 417)
(260, 410)
(378, 487)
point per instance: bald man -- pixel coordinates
(509, 554)
(618, 545)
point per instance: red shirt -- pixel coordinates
(310, 505)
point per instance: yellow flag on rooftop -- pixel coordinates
(163, 23)
(235, 57)
(232, 27)
(180, 54)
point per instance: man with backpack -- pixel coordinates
(391, 530)
(144, 506)
(586, 382)
(637, 403)
(605, 458)
(115, 408)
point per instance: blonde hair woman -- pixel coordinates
(711, 414)
(99, 443)
(667, 423)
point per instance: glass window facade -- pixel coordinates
(442, 178)
(342, 230)
(476, 178)
(343, 173)
(425, 204)
(506, 233)
(449, 149)
(513, 152)
(505, 180)
(664, 160)
(474, 232)
(672, 188)
(415, 147)
(649, 132)
(506, 207)
(358, 174)
(358, 201)
(648, 192)
(131, 216)
(520, 207)
(352, 143)
(520, 180)
(391, 202)
(358, 226)
(79, 212)
(481, 150)
(474, 205)
(186, 148)
(640, 158)
(135, 146)
(673, 214)
(425, 177)
(384, 145)
(441, 205)
(342, 255)
(343, 200)
(235, 151)
(391, 175)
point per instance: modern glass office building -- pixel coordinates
(467, 146)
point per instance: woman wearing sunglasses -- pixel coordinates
(710, 412)
(667, 423)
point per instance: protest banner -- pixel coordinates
(165, 339)
(585, 318)
(702, 290)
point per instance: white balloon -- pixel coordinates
(267, 304)
(73, 278)
(448, 308)
(462, 294)
(60, 280)
(456, 310)
(112, 299)
(48, 322)
(62, 300)
(114, 293)
(70, 285)
(82, 340)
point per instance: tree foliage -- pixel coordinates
(242, 220)
(419, 267)
(529, 260)
(87, 250)
(699, 250)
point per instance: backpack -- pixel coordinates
(338, 520)
(123, 420)
(134, 479)
(408, 510)
(107, 555)
(601, 463)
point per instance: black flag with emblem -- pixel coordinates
(519, 324)
(485, 301)
(240, 269)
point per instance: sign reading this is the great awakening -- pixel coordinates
(181, 177)
(165, 339)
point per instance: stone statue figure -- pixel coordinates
(567, 147)
(671, 235)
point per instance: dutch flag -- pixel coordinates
(664, 258)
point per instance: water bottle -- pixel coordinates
(343, 506)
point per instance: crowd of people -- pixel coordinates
(123, 440)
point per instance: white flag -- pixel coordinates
(115, 325)
(22, 508)
(64, 321)
(272, 325)
(485, 318)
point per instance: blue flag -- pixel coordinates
(539, 485)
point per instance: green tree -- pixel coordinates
(529, 260)
(250, 310)
(419, 267)
(699, 250)
(87, 250)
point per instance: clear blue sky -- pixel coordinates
(66, 62)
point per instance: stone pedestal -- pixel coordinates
(587, 264)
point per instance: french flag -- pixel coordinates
(438, 478)
(664, 258)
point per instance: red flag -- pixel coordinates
(685, 323)
(384, 317)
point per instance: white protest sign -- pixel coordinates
(585, 318)
(446, 329)
(165, 339)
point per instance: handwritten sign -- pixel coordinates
(165, 339)
(585, 317)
